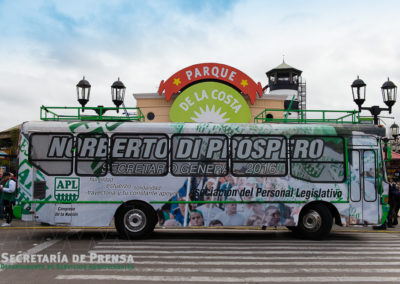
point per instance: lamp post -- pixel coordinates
(394, 131)
(389, 92)
(83, 92)
(118, 93)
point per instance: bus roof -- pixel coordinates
(205, 128)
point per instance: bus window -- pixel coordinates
(363, 140)
(369, 176)
(199, 155)
(91, 157)
(355, 188)
(259, 155)
(51, 153)
(139, 154)
(317, 158)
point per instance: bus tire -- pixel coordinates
(315, 222)
(134, 221)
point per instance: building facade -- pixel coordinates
(206, 100)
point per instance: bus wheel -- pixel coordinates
(134, 221)
(315, 222)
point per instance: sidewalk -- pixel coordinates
(18, 224)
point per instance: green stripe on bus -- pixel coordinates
(168, 202)
(66, 202)
(232, 201)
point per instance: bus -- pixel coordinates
(140, 175)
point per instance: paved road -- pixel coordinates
(199, 256)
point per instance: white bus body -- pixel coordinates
(303, 176)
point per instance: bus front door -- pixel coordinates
(363, 188)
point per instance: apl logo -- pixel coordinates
(66, 189)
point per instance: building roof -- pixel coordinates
(284, 67)
(16, 127)
(6, 134)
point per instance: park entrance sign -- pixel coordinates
(210, 92)
(210, 102)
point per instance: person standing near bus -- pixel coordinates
(8, 196)
(395, 202)
(2, 182)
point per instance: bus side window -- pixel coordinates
(318, 159)
(51, 153)
(199, 155)
(259, 155)
(139, 154)
(91, 155)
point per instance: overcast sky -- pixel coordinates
(47, 46)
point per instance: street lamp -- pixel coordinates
(389, 92)
(118, 93)
(394, 131)
(83, 92)
(358, 90)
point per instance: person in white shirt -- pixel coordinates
(230, 217)
(8, 196)
(209, 210)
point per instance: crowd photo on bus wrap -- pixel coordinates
(219, 207)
